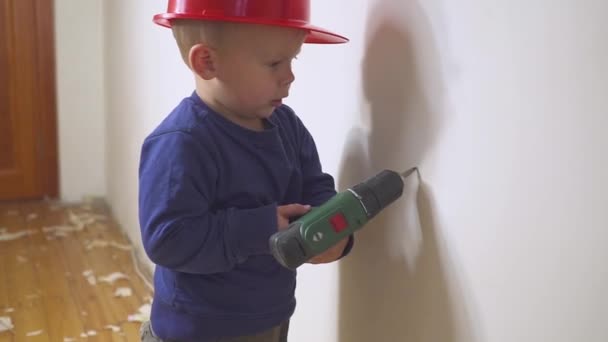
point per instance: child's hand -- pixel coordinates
(285, 212)
(332, 254)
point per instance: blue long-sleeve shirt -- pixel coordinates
(208, 197)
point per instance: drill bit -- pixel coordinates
(407, 173)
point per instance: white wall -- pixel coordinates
(501, 104)
(145, 81)
(81, 99)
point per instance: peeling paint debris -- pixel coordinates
(6, 236)
(91, 333)
(84, 335)
(97, 217)
(86, 206)
(75, 220)
(111, 278)
(103, 243)
(83, 219)
(114, 328)
(34, 333)
(69, 339)
(21, 259)
(32, 296)
(62, 230)
(123, 292)
(101, 226)
(31, 216)
(9, 310)
(142, 315)
(60, 233)
(6, 324)
(55, 207)
(90, 277)
(12, 212)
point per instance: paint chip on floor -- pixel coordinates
(91, 333)
(62, 230)
(31, 217)
(55, 207)
(90, 277)
(103, 244)
(142, 315)
(34, 333)
(32, 296)
(123, 292)
(83, 219)
(6, 236)
(69, 339)
(6, 324)
(21, 259)
(111, 278)
(114, 328)
(9, 310)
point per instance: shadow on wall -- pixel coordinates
(393, 285)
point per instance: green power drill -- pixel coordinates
(346, 212)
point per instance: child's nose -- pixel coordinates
(289, 77)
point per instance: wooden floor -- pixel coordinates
(43, 287)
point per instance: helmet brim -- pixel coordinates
(316, 35)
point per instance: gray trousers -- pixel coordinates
(276, 334)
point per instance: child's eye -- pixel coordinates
(277, 63)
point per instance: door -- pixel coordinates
(28, 133)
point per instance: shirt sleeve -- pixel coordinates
(180, 228)
(318, 186)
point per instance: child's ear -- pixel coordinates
(203, 61)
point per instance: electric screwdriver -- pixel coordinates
(348, 211)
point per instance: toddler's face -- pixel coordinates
(254, 69)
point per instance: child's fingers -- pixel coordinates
(295, 209)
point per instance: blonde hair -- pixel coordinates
(188, 33)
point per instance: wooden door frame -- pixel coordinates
(47, 149)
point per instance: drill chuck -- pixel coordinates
(379, 191)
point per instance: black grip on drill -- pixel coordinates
(288, 248)
(379, 191)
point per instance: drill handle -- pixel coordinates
(289, 248)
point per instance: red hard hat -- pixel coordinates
(286, 13)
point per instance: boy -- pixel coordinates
(230, 166)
